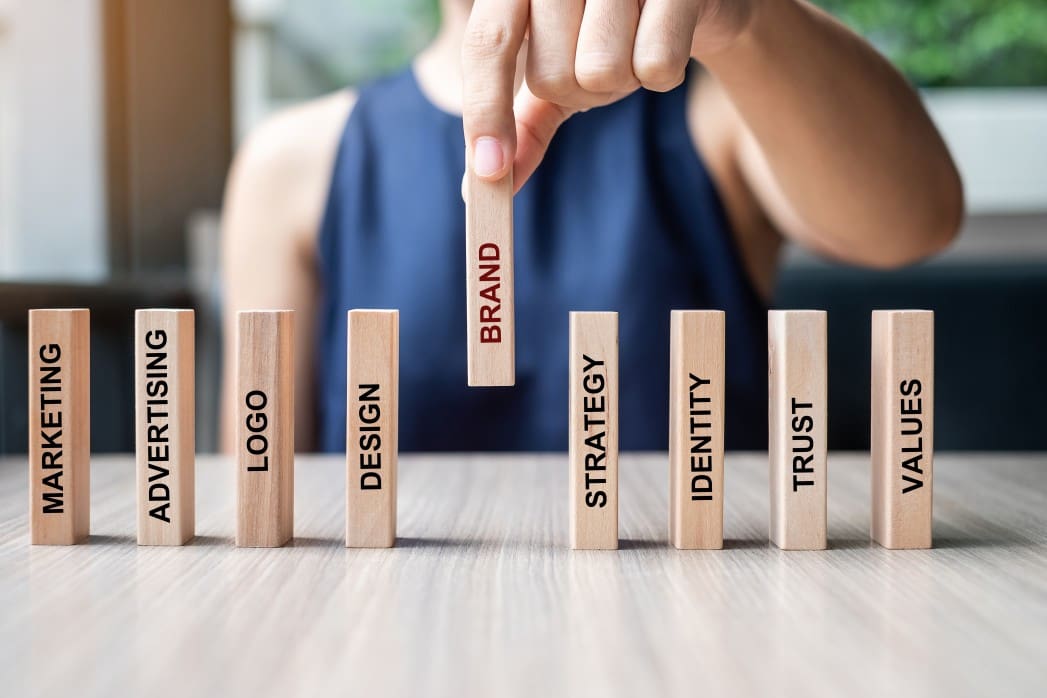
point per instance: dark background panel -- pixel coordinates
(990, 346)
(112, 361)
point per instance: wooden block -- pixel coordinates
(696, 414)
(594, 431)
(371, 428)
(265, 428)
(797, 427)
(489, 281)
(165, 425)
(59, 426)
(902, 437)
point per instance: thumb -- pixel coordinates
(536, 123)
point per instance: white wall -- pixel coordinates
(6, 134)
(999, 140)
(52, 214)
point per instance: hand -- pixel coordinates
(580, 54)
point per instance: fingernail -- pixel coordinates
(488, 157)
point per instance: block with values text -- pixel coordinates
(59, 426)
(371, 428)
(696, 429)
(491, 318)
(902, 432)
(593, 431)
(165, 425)
(797, 428)
(265, 428)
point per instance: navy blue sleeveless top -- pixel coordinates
(621, 215)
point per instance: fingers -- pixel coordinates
(489, 51)
(536, 123)
(603, 62)
(582, 53)
(663, 42)
(552, 40)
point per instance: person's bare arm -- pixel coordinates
(835, 144)
(273, 204)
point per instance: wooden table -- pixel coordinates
(482, 597)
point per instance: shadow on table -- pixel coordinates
(985, 534)
(435, 543)
(314, 542)
(850, 543)
(642, 544)
(745, 543)
(104, 539)
(764, 544)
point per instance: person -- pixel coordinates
(662, 152)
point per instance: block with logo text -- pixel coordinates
(797, 416)
(489, 281)
(593, 431)
(265, 428)
(165, 425)
(371, 428)
(59, 426)
(902, 436)
(696, 426)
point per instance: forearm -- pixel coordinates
(847, 140)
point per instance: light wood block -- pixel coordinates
(593, 434)
(165, 425)
(902, 437)
(59, 426)
(265, 428)
(489, 281)
(373, 386)
(696, 419)
(797, 419)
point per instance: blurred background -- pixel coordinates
(118, 120)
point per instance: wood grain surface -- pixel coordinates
(60, 425)
(797, 431)
(165, 425)
(490, 291)
(265, 427)
(902, 429)
(696, 409)
(372, 405)
(593, 431)
(482, 595)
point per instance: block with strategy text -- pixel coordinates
(371, 428)
(902, 435)
(593, 431)
(696, 425)
(59, 426)
(489, 281)
(165, 425)
(265, 428)
(797, 416)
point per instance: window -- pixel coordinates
(944, 43)
(288, 51)
(52, 188)
(6, 141)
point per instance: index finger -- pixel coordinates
(492, 42)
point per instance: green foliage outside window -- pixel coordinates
(321, 45)
(950, 43)
(317, 46)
